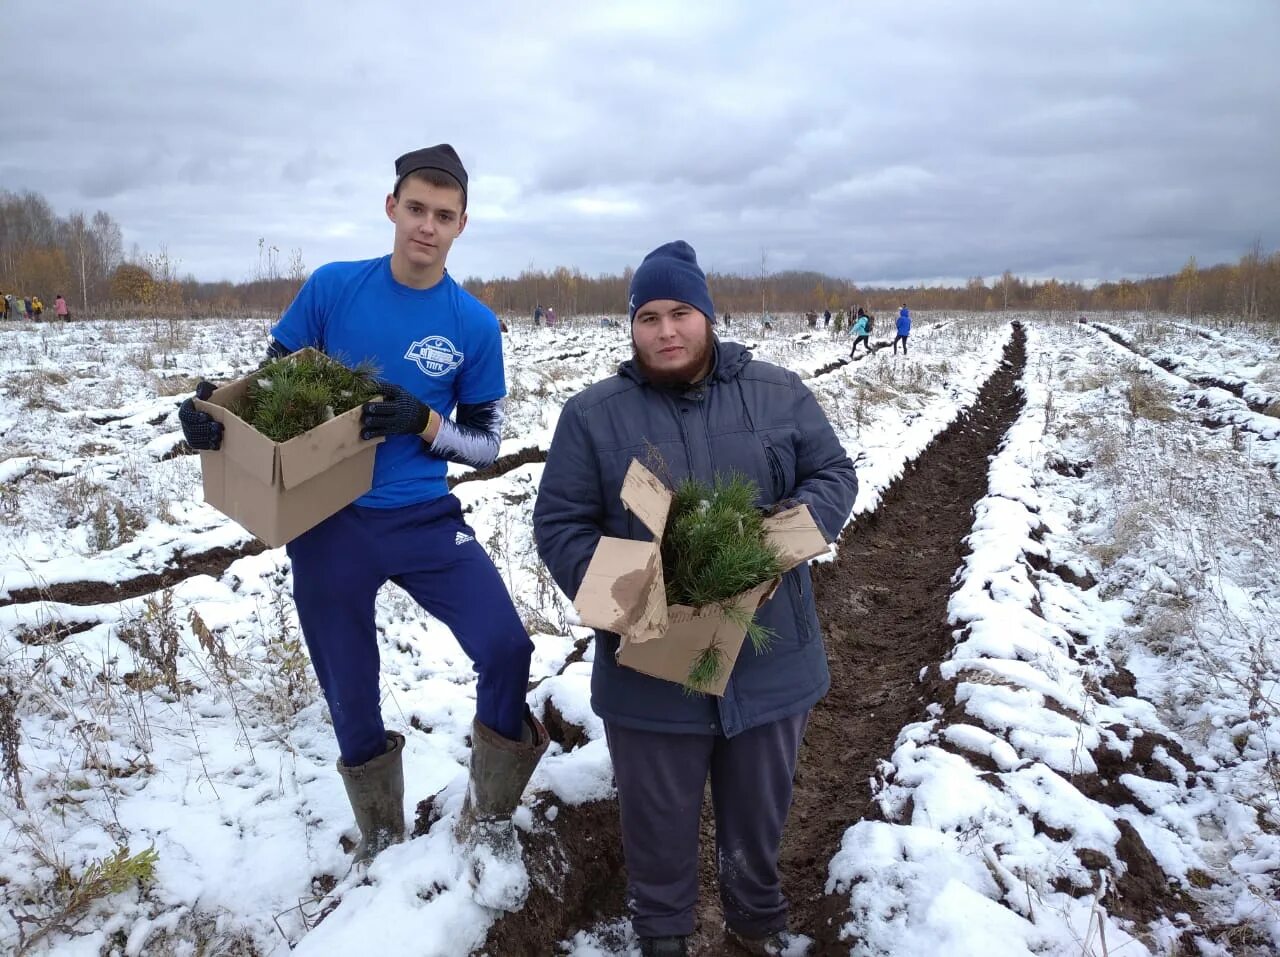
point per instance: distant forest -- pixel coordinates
(82, 257)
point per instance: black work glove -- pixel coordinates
(397, 413)
(780, 506)
(202, 432)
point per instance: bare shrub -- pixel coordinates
(111, 522)
(10, 733)
(155, 635)
(288, 685)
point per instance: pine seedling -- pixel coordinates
(293, 395)
(714, 548)
(761, 638)
(705, 669)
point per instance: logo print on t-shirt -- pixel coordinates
(435, 355)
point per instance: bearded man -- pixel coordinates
(708, 409)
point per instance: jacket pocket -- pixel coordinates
(781, 471)
(796, 582)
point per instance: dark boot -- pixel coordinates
(771, 945)
(376, 792)
(500, 769)
(664, 947)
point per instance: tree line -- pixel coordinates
(1249, 288)
(82, 257)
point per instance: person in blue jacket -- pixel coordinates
(439, 354)
(708, 409)
(861, 332)
(904, 329)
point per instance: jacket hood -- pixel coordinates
(728, 361)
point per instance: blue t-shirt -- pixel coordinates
(442, 344)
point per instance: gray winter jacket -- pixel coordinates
(748, 417)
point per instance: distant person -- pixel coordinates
(27, 306)
(826, 318)
(4, 306)
(727, 318)
(537, 314)
(551, 317)
(60, 308)
(904, 330)
(812, 319)
(861, 332)
(37, 307)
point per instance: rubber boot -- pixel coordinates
(500, 769)
(771, 945)
(376, 792)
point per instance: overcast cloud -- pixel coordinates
(883, 142)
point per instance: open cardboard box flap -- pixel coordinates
(796, 536)
(615, 590)
(647, 498)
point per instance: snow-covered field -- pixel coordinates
(1121, 590)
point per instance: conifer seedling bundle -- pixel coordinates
(713, 549)
(293, 395)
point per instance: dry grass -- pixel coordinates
(33, 388)
(1146, 400)
(1129, 531)
(1086, 382)
(175, 385)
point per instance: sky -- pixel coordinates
(884, 142)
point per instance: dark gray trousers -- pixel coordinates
(660, 780)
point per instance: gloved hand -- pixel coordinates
(200, 429)
(397, 413)
(780, 506)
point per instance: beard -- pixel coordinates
(688, 372)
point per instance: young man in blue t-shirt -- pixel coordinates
(439, 352)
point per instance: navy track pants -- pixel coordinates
(429, 551)
(660, 780)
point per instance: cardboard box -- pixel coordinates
(623, 590)
(278, 490)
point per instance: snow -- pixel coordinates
(988, 842)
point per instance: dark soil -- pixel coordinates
(575, 877)
(502, 465)
(883, 607)
(213, 562)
